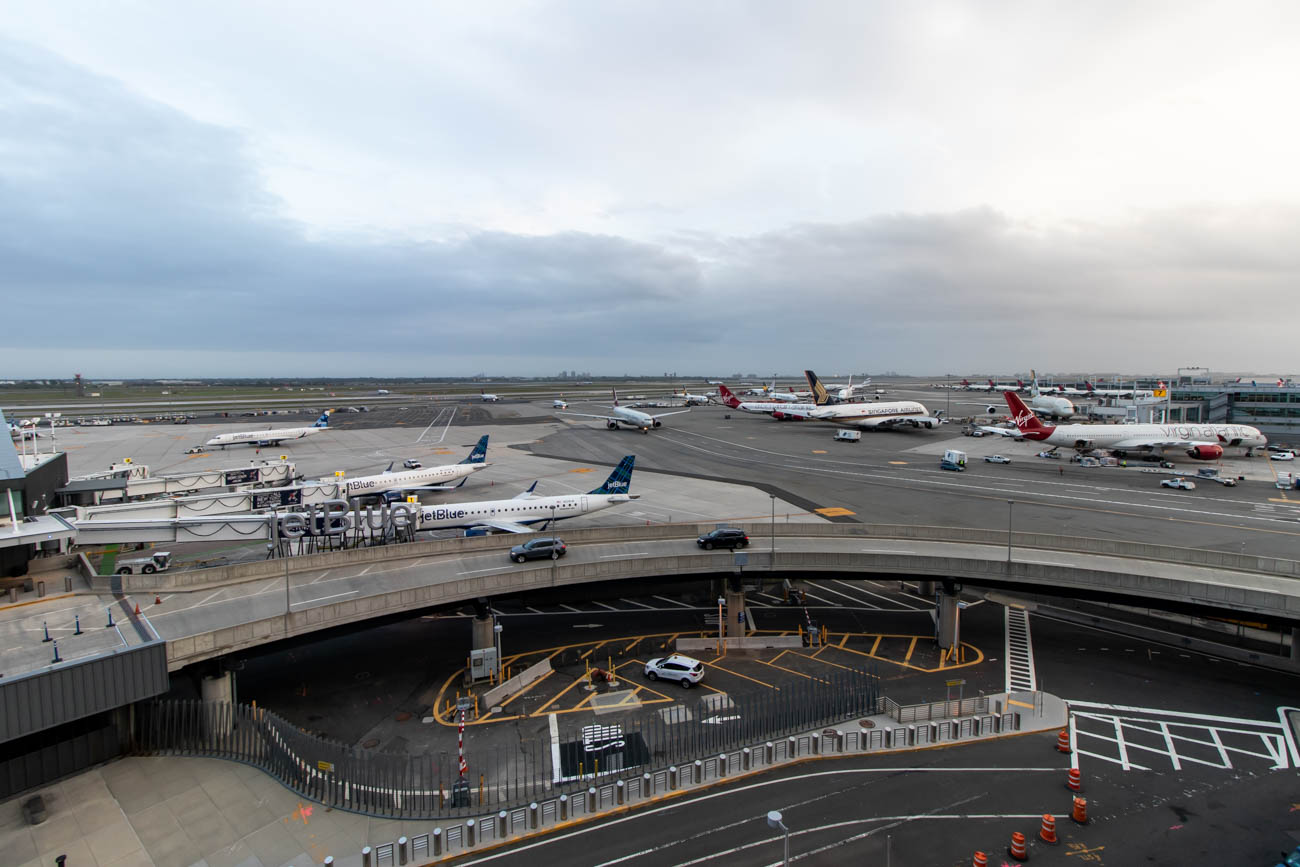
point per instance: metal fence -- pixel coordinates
(643, 741)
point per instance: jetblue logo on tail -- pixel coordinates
(479, 454)
(619, 481)
(324, 420)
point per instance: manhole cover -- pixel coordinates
(402, 716)
(866, 723)
(370, 744)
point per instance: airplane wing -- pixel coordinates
(1000, 431)
(589, 415)
(507, 526)
(662, 414)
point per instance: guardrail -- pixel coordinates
(198, 579)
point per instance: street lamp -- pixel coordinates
(948, 411)
(771, 562)
(774, 822)
(496, 629)
(721, 603)
(1010, 506)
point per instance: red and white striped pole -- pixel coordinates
(460, 745)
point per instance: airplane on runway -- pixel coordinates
(270, 437)
(692, 399)
(389, 485)
(642, 421)
(1204, 442)
(872, 416)
(518, 514)
(488, 397)
(1042, 404)
(779, 410)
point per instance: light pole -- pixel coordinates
(1010, 506)
(721, 602)
(774, 822)
(948, 411)
(771, 560)
(496, 630)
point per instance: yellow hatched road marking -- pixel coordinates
(911, 648)
(745, 676)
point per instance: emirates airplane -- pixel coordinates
(1204, 442)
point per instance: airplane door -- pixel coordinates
(584, 503)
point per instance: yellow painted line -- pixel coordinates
(819, 451)
(1019, 703)
(1278, 500)
(844, 640)
(834, 512)
(37, 601)
(581, 470)
(525, 689)
(874, 647)
(898, 463)
(745, 676)
(632, 644)
(911, 648)
(790, 670)
(558, 696)
(593, 650)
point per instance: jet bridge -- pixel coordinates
(206, 505)
(215, 528)
(255, 473)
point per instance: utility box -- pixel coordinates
(482, 663)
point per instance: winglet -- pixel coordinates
(478, 454)
(619, 481)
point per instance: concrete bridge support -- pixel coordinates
(948, 617)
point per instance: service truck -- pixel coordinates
(953, 460)
(158, 561)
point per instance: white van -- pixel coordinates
(847, 436)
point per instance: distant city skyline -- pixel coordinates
(243, 189)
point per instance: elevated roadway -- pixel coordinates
(208, 613)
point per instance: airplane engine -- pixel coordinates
(612, 425)
(1205, 453)
(658, 423)
(993, 410)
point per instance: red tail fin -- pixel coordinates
(614, 391)
(1022, 415)
(727, 397)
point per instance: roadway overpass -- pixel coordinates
(213, 612)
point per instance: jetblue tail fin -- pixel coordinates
(820, 396)
(390, 467)
(619, 481)
(479, 453)
(524, 495)
(324, 420)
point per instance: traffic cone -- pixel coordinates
(1080, 813)
(1075, 781)
(1048, 832)
(980, 860)
(157, 600)
(1018, 850)
(137, 609)
(1063, 741)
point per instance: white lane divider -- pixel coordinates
(1019, 652)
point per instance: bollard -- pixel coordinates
(46, 627)
(56, 652)
(532, 815)
(564, 807)
(745, 759)
(619, 792)
(647, 784)
(67, 583)
(697, 770)
(791, 748)
(501, 825)
(59, 859)
(365, 856)
(13, 594)
(437, 841)
(722, 764)
(469, 834)
(401, 850)
(109, 625)
(769, 753)
(329, 861)
(816, 744)
(672, 777)
(40, 589)
(592, 801)
(77, 620)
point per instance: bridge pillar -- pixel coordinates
(219, 690)
(481, 635)
(925, 589)
(948, 620)
(735, 605)
(1295, 643)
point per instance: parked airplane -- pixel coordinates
(488, 396)
(777, 409)
(692, 399)
(1042, 404)
(880, 414)
(1090, 389)
(991, 386)
(632, 418)
(518, 514)
(270, 437)
(392, 485)
(1204, 442)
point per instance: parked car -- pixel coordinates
(1179, 483)
(1166, 465)
(683, 669)
(723, 537)
(1283, 456)
(996, 459)
(546, 547)
(1054, 455)
(412, 464)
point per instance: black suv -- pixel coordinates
(725, 537)
(538, 549)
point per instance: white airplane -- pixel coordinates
(1204, 442)
(780, 410)
(270, 437)
(1091, 389)
(713, 382)
(559, 403)
(692, 399)
(390, 485)
(487, 396)
(1042, 404)
(517, 514)
(642, 421)
(872, 416)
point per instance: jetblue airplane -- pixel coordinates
(390, 485)
(518, 514)
(270, 437)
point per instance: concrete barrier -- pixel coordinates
(525, 678)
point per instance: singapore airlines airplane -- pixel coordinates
(518, 514)
(872, 416)
(270, 437)
(389, 485)
(1204, 442)
(642, 421)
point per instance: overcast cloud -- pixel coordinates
(429, 189)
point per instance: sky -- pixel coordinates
(448, 189)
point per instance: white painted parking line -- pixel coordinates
(899, 602)
(571, 608)
(634, 602)
(670, 601)
(603, 605)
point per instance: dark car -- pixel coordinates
(544, 548)
(725, 537)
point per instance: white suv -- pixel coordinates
(683, 669)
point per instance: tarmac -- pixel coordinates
(198, 812)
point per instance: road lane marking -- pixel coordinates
(323, 598)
